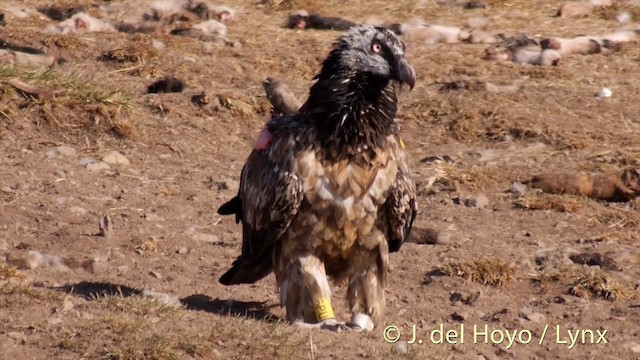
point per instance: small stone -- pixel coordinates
(183, 250)
(623, 17)
(7, 189)
(155, 274)
(401, 347)
(634, 347)
(67, 305)
(444, 238)
(208, 238)
(537, 318)
(479, 201)
(517, 188)
(60, 174)
(66, 151)
(153, 217)
(459, 316)
(561, 224)
(87, 160)
(115, 158)
(78, 210)
(54, 320)
(122, 269)
(98, 166)
(157, 44)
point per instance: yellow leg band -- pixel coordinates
(402, 144)
(323, 309)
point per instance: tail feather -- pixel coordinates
(231, 207)
(247, 271)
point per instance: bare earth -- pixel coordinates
(481, 254)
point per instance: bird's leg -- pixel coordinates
(306, 295)
(366, 297)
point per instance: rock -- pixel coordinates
(153, 217)
(537, 318)
(517, 188)
(459, 316)
(98, 166)
(65, 151)
(122, 269)
(183, 250)
(634, 347)
(623, 17)
(479, 201)
(115, 158)
(401, 347)
(561, 224)
(155, 274)
(167, 299)
(208, 238)
(87, 160)
(595, 259)
(78, 210)
(157, 44)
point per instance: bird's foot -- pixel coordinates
(360, 323)
(329, 324)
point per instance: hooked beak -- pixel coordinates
(404, 72)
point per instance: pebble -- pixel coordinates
(63, 150)
(94, 266)
(157, 44)
(635, 348)
(98, 166)
(479, 201)
(561, 224)
(604, 93)
(78, 210)
(153, 217)
(623, 17)
(183, 250)
(87, 160)
(122, 269)
(115, 158)
(537, 318)
(401, 347)
(155, 274)
(517, 188)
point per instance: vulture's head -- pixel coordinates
(373, 50)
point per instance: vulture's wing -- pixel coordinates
(268, 199)
(401, 205)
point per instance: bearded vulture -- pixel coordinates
(326, 192)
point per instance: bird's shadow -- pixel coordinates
(198, 302)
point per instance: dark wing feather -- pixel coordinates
(268, 200)
(401, 207)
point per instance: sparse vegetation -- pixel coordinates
(493, 271)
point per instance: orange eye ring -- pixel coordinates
(376, 47)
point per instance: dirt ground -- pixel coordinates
(482, 253)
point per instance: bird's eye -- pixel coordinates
(376, 47)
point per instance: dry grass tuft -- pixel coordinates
(493, 271)
(8, 272)
(237, 103)
(134, 53)
(600, 284)
(560, 203)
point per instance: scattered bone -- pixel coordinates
(206, 10)
(167, 85)
(481, 37)
(581, 45)
(430, 33)
(523, 50)
(80, 23)
(304, 20)
(208, 30)
(168, 11)
(32, 90)
(284, 102)
(611, 186)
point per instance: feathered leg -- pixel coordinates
(366, 294)
(306, 295)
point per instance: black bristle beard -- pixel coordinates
(351, 112)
